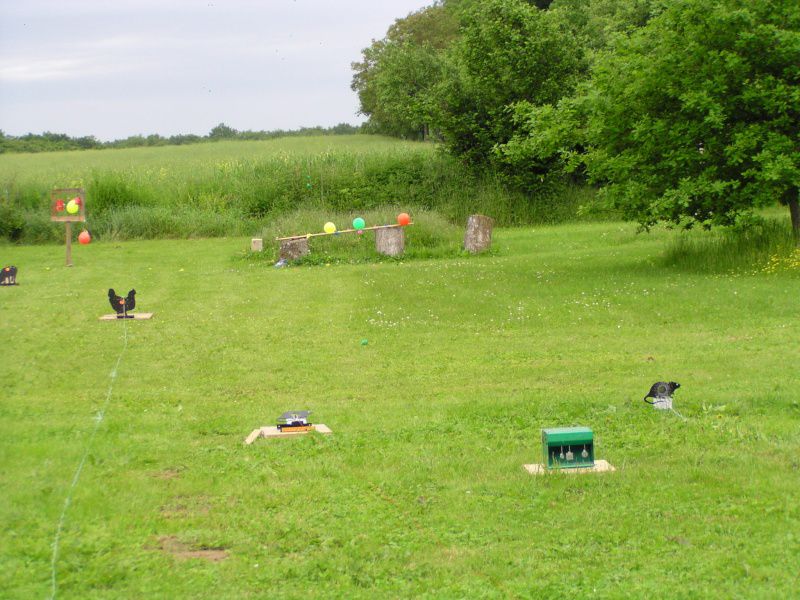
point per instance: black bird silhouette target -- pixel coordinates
(8, 276)
(661, 390)
(661, 394)
(122, 305)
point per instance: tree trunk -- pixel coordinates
(390, 241)
(478, 236)
(794, 210)
(294, 249)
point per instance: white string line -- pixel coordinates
(68, 500)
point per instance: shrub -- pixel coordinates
(12, 223)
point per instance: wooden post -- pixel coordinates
(479, 233)
(390, 241)
(294, 249)
(69, 243)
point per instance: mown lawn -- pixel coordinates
(420, 492)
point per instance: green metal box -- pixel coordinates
(567, 447)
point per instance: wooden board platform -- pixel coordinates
(136, 317)
(271, 431)
(600, 466)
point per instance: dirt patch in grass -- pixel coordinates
(183, 507)
(170, 544)
(167, 474)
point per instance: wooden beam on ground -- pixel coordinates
(600, 466)
(271, 431)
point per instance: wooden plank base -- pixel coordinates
(600, 466)
(272, 431)
(136, 317)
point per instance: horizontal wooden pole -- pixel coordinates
(310, 235)
(70, 219)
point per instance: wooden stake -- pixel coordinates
(69, 243)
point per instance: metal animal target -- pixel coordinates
(122, 305)
(8, 276)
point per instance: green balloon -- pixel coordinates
(358, 223)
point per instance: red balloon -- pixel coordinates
(403, 219)
(84, 237)
(78, 200)
(59, 205)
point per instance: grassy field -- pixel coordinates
(236, 188)
(420, 491)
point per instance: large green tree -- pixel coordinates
(552, 137)
(595, 22)
(508, 51)
(692, 119)
(398, 96)
(397, 75)
(455, 66)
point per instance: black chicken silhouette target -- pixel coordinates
(122, 305)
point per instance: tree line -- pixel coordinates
(50, 142)
(681, 111)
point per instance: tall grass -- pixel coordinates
(731, 250)
(230, 188)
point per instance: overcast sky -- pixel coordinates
(115, 68)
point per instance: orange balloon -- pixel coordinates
(403, 219)
(84, 237)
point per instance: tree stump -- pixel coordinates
(479, 233)
(294, 249)
(390, 241)
(257, 245)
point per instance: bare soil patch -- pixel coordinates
(183, 551)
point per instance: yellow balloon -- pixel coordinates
(329, 227)
(72, 207)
